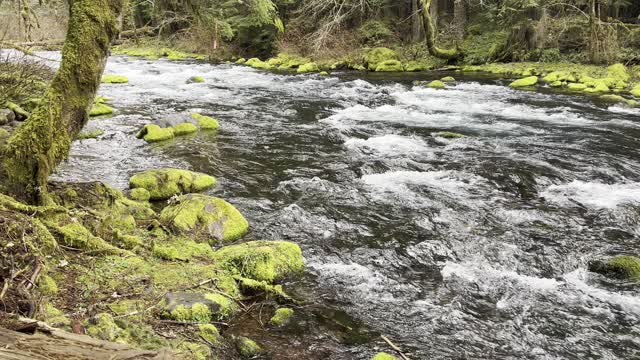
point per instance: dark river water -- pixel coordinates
(469, 248)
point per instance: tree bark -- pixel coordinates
(44, 140)
(430, 34)
(416, 21)
(459, 18)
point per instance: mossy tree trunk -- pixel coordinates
(430, 34)
(44, 140)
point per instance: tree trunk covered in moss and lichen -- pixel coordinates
(41, 143)
(430, 34)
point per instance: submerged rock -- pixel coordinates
(114, 79)
(281, 317)
(263, 260)
(247, 347)
(155, 133)
(162, 184)
(449, 135)
(204, 216)
(621, 267)
(524, 82)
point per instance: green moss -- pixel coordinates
(448, 79)
(184, 129)
(195, 79)
(413, 66)
(291, 61)
(389, 66)
(194, 351)
(54, 317)
(47, 286)
(308, 67)
(90, 135)
(206, 122)
(104, 327)
(114, 79)
(383, 356)
(17, 109)
(182, 249)
(155, 133)
(100, 109)
(258, 64)
(281, 317)
(140, 194)
(627, 267)
(636, 91)
(525, 82)
(210, 334)
(324, 73)
(241, 61)
(167, 253)
(379, 55)
(162, 184)
(77, 236)
(4, 133)
(576, 87)
(247, 347)
(199, 313)
(449, 135)
(262, 260)
(205, 216)
(618, 72)
(176, 55)
(436, 84)
(227, 308)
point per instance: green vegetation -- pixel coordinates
(114, 79)
(162, 184)
(384, 356)
(281, 317)
(621, 267)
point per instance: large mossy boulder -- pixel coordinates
(621, 267)
(262, 260)
(154, 133)
(376, 56)
(525, 82)
(205, 217)
(162, 184)
(390, 66)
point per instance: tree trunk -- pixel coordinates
(430, 33)
(41, 143)
(459, 18)
(416, 21)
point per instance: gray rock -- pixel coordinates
(6, 116)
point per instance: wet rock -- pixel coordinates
(436, 84)
(447, 79)
(247, 347)
(162, 184)
(206, 217)
(449, 135)
(205, 122)
(621, 267)
(185, 129)
(155, 133)
(6, 116)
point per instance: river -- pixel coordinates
(463, 248)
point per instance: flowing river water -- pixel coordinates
(453, 248)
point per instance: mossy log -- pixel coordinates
(430, 34)
(37, 147)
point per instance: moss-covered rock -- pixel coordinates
(194, 351)
(241, 61)
(414, 66)
(198, 307)
(47, 286)
(323, 73)
(378, 55)
(612, 98)
(281, 317)
(206, 217)
(114, 79)
(436, 84)
(618, 72)
(449, 135)
(195, 79)
(384, 356)
(448, 79)
(205, 122)
(576, 87)
(162, 184)
(525, 82)
(4, 133)
(185, 129)
(636, 91)
(140, 194)
(100, 109)
(210, 334)
(103, 327)
(389, 66)
(247, 347)
(154, 133)
(262, 260)
(308, 67)
(621, 267)
(258, 64)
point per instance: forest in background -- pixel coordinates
(478, 31)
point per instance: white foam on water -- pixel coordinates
(399, 182)
(488, 275)
(593, 194)
(577, 281)
(390, 145)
